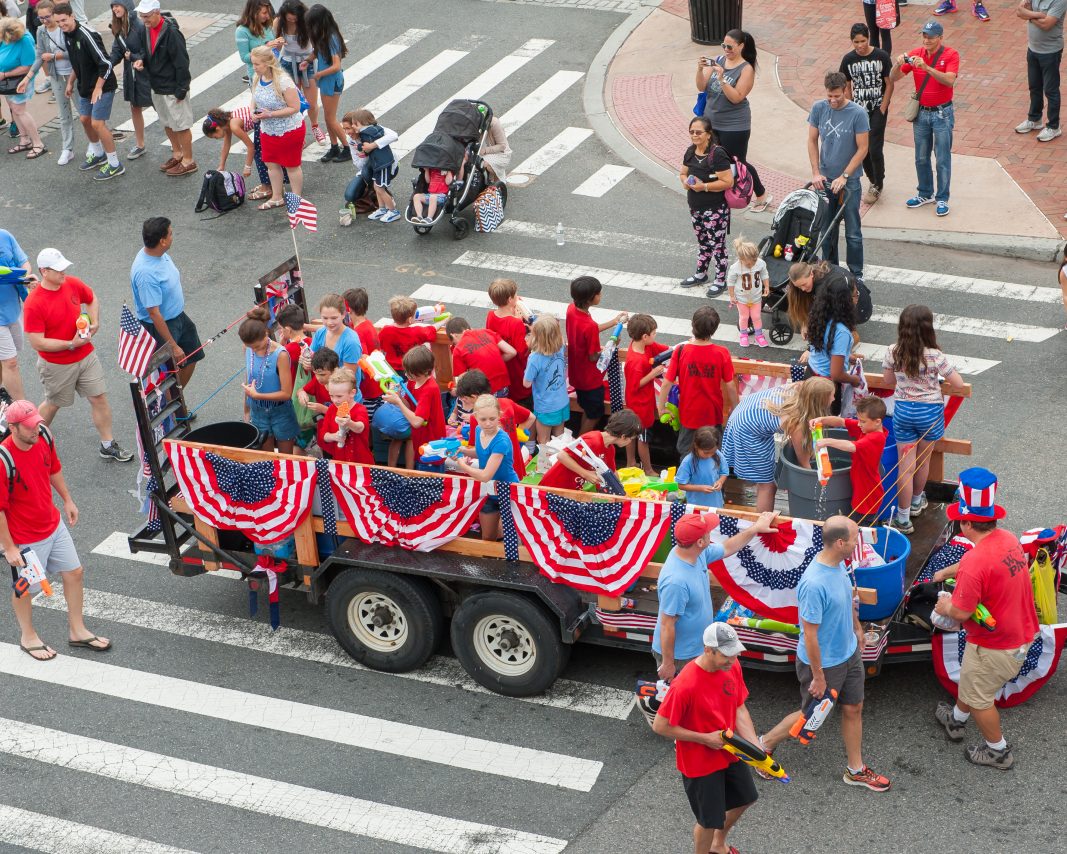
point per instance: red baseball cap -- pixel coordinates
(692, 526)
(23, 412)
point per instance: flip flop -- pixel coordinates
(88, 644)
(760, 207)
(30, 650)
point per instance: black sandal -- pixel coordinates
(694, 280)
(36, 152)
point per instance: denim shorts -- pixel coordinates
(332, 85)
(491, 505)
(101, 110)
(917, 420)
(277, 421)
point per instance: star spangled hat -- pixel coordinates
(976, 498)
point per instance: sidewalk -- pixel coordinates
(1008, 192)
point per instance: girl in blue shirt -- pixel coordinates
(341, 339)
(492, 447)
(703, 472)
(546, 374)
(831, 325)
(330, 49)
(269, 386)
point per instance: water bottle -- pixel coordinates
(559, 234)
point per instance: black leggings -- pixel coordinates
(736, 144)
(879, 38)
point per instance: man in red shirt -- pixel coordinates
(583, 350)
(570, 471)
(704, 373)
(934, 69)
(29, 472)
(996, 574)
(68, 362)
(866, 442)
(482, 349)
(707, 697)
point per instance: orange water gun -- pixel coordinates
(822, 456)
(344, 408)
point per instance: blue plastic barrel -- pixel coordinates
(888, 580)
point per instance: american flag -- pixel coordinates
(302, 211)
(415, 513)
(136, 345)
(950, 553)
(265, 501)
(599, 547)
(1040, 663)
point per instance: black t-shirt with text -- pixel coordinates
(867, 74)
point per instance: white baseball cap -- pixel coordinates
(146, 6)
(721, 636)
(52, 259)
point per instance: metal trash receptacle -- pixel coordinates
(711, 20)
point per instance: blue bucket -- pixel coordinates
(888, 580)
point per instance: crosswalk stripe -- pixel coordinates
(257, 636)
(332, 725)
(963, 284)
(36, 831)
(476, 89)
(606, 177)
(551, 152)
(538, 99)
(201, 83)
(596, 237)
(973, 326)
(418, 78)
(262, 795)
(116, 545)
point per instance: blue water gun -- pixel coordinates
(16, 277)
(436, 452)
(609, 348)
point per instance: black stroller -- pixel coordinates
(799, 229)
(453, 147)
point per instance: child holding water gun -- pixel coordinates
(472, 385)
(703, 472)
(546, 376)
(749, 284)
(641, 377)
(866, 441)
(495, 456)
(583, 349)
(570, 471)
(269, 386)
(509, 320)
(427, 419)
(398, 337)
(344, 432)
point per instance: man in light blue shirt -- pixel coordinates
(830, 649)
(11, 256)
(158, 299)
(684, 592)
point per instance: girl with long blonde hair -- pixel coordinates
(276, 106)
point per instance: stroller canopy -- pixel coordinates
(464, 120)
(439, 151)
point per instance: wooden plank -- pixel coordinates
(212, 536)
(307, 548)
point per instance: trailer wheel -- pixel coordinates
(508, 644)
(385, 621)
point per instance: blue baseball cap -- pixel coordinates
(933, 28)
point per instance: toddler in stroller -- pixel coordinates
(437, 184)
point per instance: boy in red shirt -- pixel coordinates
(866, 443)
(509, 322)
(401, 335)
(315, 395)
(704, 373)
(427, 419)
(469, 388)
(640, 378)
(583, 350)
(358, 304)
(482, 349)
(290, 325)
(346, 439)
(569, 471)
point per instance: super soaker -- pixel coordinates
(431, 313)
(752, 754)
(822, 456)
(378, 367)
(981, 614)
(83, 325)
(609, 348)
(344, 409)
(813, 716)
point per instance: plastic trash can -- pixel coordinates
(228, 434)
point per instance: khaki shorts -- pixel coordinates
(86, 377)
(985, 671)
(174, 114)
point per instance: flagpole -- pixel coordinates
(296, 252)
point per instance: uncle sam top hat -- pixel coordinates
(976, 497)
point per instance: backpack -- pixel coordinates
(221, 191)
(7, 462)
(740, 194)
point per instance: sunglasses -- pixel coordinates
(697, 132)
(726, 46)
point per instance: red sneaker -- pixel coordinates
(868, 778)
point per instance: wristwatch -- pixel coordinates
(844, 175)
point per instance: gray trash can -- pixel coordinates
(711, 20)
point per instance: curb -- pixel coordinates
(1045, 249)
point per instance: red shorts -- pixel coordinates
(285, 150)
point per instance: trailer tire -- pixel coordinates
(508, 644)
(386, 621)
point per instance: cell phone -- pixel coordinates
(708, 60)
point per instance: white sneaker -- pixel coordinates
(1048, 134)
(65, 157)
(378, 214)
(1027, 126)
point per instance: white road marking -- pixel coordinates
(321, 648)
(36, 831)
(552, 152)
(538, 99)
(418, 78)
(201, 83)
(962, 284)
(602, 180)
(596, 237)
(973, 326)
(331, 725)
(117, 545)
(476, 89)
(265, 796)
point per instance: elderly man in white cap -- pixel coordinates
(60, 318)
(707, 697)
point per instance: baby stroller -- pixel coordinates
(799, 229)
(453, 147)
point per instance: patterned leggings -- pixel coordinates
(711, 227)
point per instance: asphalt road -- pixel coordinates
(153, 733)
